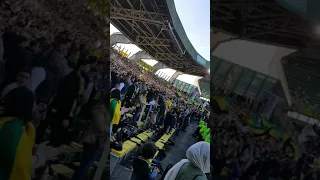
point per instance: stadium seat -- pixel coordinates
(129, 115)
(159, 145)
(140, 124)
(136, 140)
(147, 133)
(119, 154)
(142, 137)
(127, 146)
(156, 154)
(63, 170)
(165, 138)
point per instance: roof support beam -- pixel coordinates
(137, 15)
(258, 16)
(167, 56)
(152, 41)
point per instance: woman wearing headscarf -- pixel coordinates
(195, 166)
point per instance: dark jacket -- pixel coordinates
(169, 120)
(68, 92)
(131, 91)
(140, 170)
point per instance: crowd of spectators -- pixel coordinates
(45, 88)
(137, 91)
(239, 153)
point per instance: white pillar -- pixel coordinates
(276, 70)
(174, 76)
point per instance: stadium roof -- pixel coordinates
(155, 27)
(267, 22)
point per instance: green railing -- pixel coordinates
(183, 36)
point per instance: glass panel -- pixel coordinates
(232, 77)
(244, 81)
(223, 68)
(217, 80)
(201, 60)
(255, 85)
(179, 84)
(214, 63)
(221, 73)
(175, 83)
(182, 86)
(187, 90)
(186, 87)
(190, 89)
(268, 84)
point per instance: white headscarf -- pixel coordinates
(198, 154)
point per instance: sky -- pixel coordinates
(195, 18)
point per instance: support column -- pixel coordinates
(118, 38)
(140, 55)
(276, 70)
(174, 76)
(158, 66)
(217, 38)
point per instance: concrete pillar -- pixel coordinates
(174, 76)
(276, 70)
(118, 38)
(217, 38)
(196, 83)
(140, 55)
(158, 66)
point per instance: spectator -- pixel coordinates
(195, 166)
(94, 139)
(71, 88)
(22, 80)
(141, 165)
(17, 134)
(115, 108)
(38, 76)
(67, 100)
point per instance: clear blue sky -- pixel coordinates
(195, 18)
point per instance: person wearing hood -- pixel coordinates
(195, 167)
